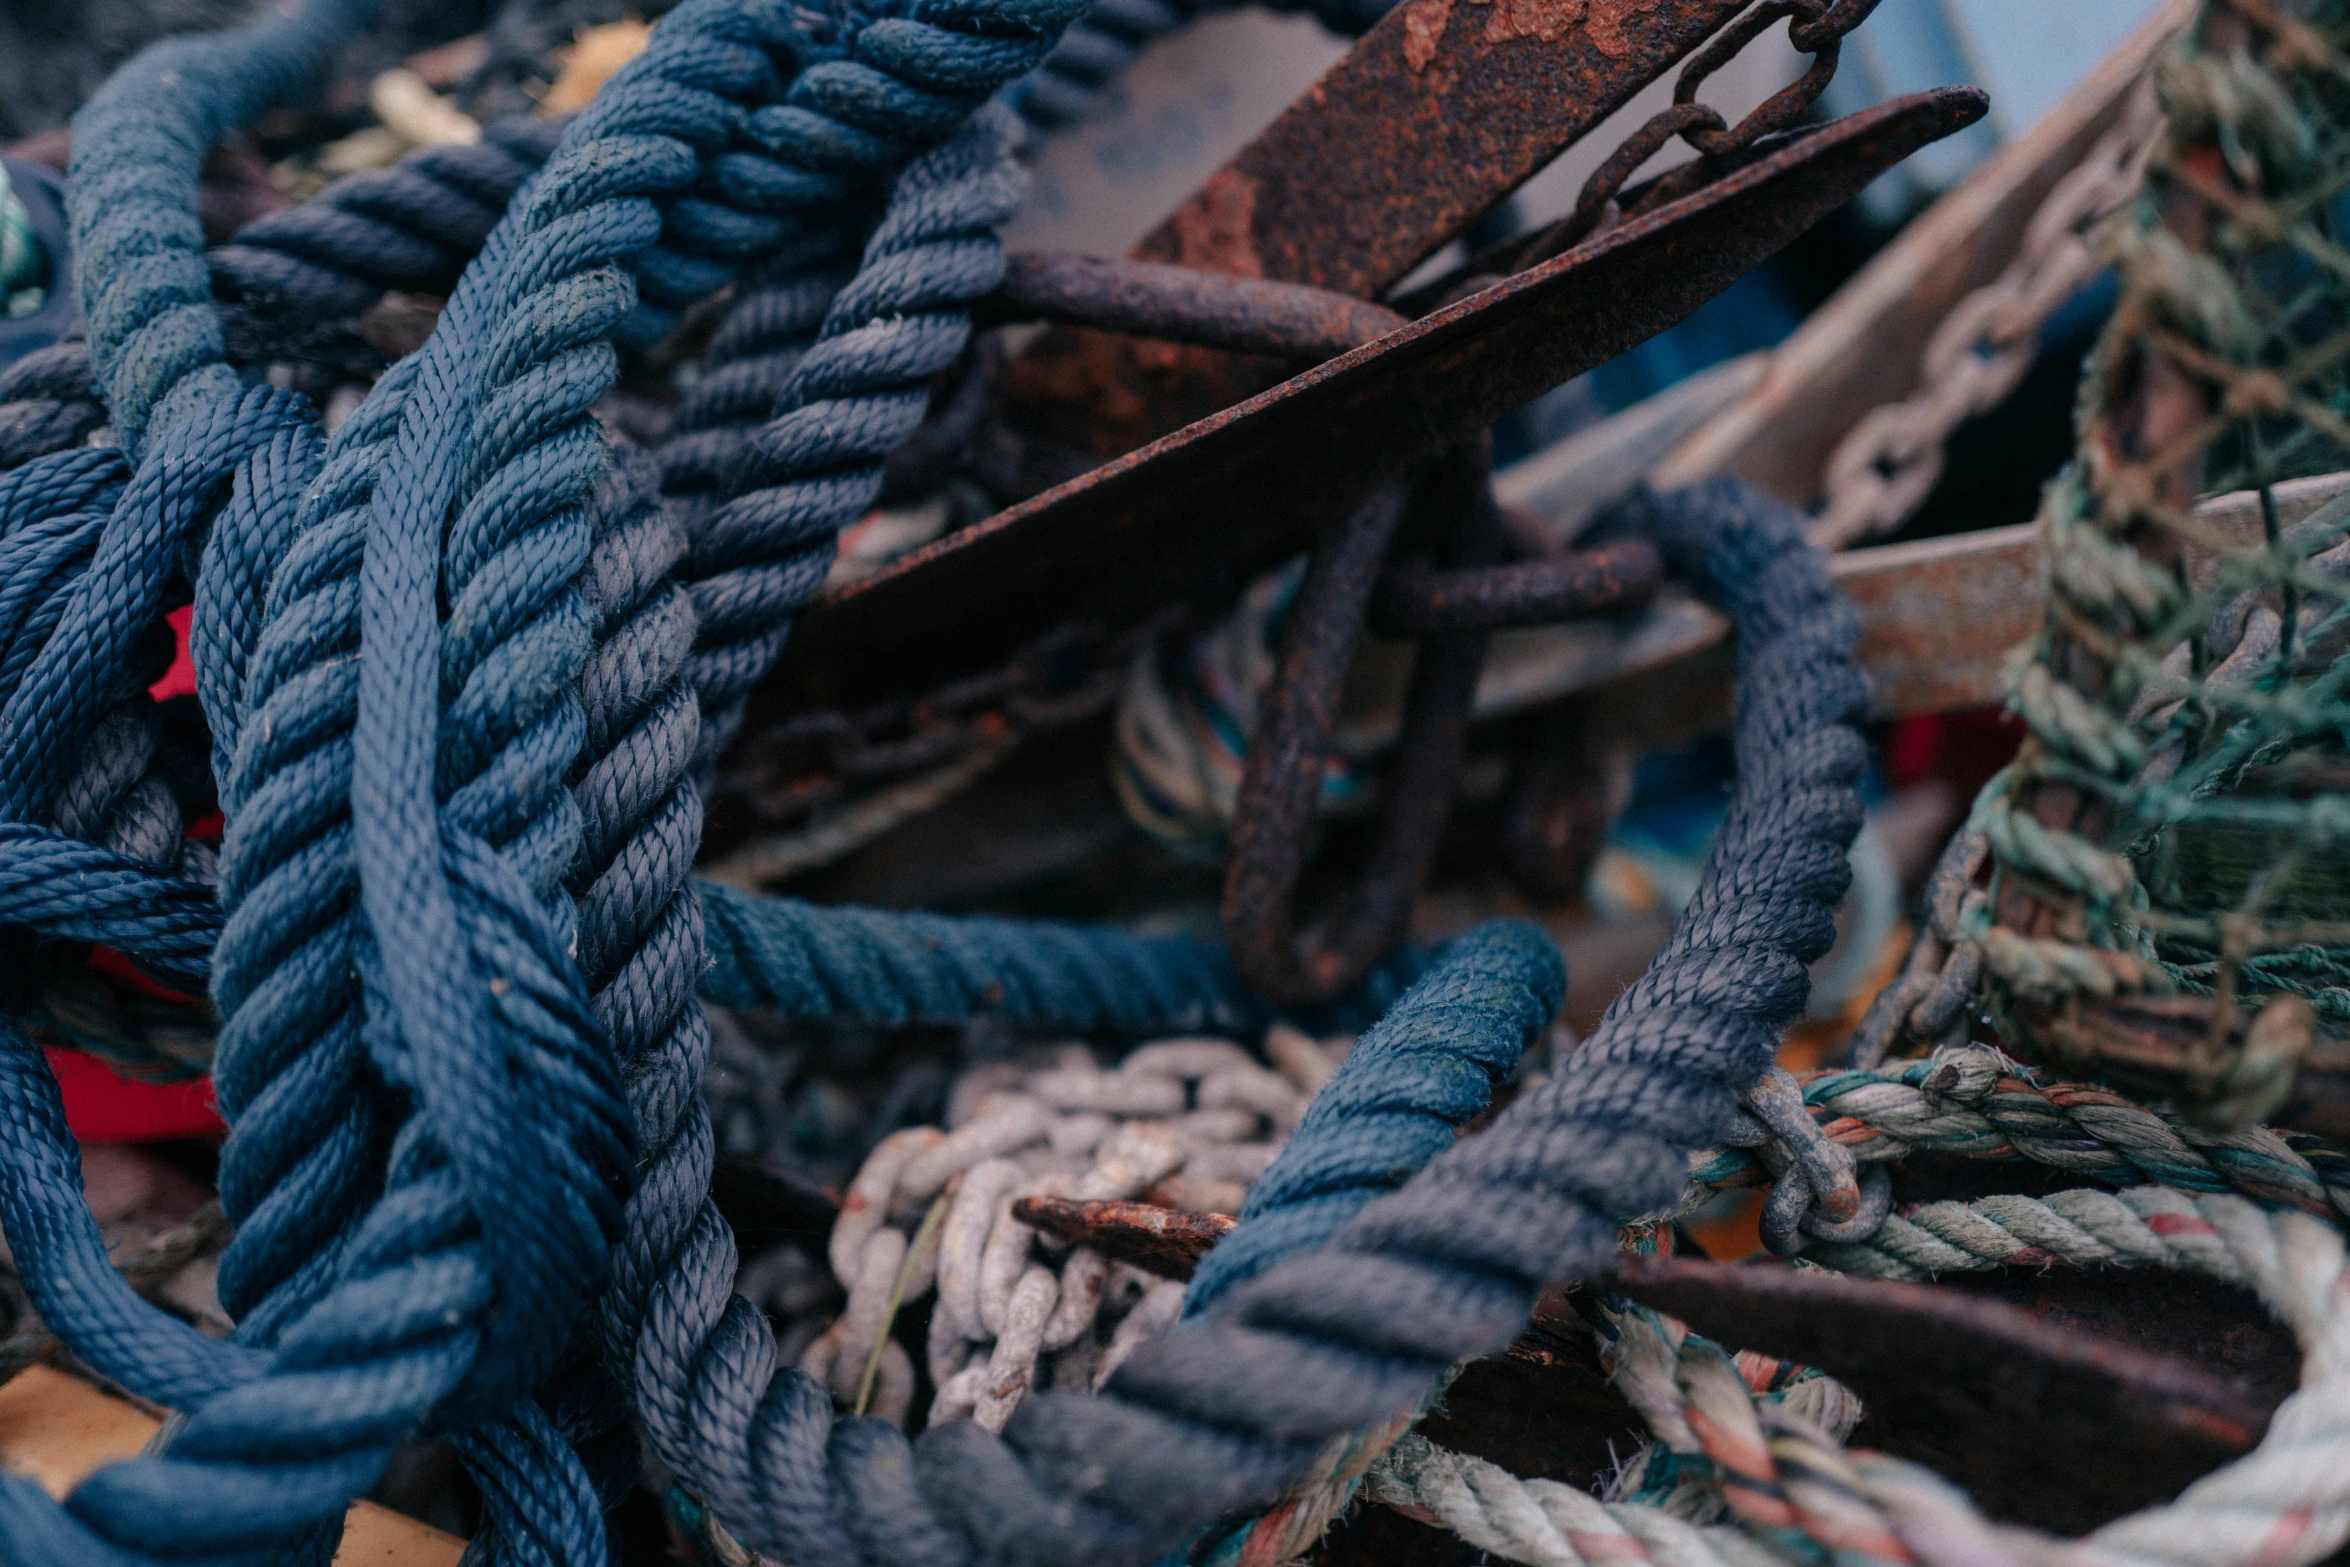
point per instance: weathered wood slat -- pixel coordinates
(55, 1429)
(1938, 619)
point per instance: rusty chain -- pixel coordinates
(1073, 672)
(1815, 27)
(1887, 464)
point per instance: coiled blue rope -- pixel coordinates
(420, 788)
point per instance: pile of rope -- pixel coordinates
(1748, 1467)
(463, 664)
(1746, 1464)
(459, 664)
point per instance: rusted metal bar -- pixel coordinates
(2113, 1424)
(1290, 321)
(1430, 121)
(1166, 1241)
(1289, 754)
(1245, 486)
(1413, 599)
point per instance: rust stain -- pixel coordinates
(1083, 370)
(1547, 20)
(1424, 22)
(1216, 230)
(1611, 20)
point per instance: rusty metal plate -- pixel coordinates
(1440, 112)
(1429, 122)
(1235, 491)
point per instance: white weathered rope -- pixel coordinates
(2285, 1504)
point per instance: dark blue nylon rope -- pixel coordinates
(383, 793)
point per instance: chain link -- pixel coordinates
(1073, 672)
(1888, 463)
(1814, 27)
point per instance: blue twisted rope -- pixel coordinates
(48, 402)
(452, 743)
(854, 393)
(411, 226)
(1426, 1070)
(798, 960)
(289, 277)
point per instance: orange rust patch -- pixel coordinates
(1424, 22)
(1611, 19)
(1215, 230)
(1082, 370)
(1543, 19)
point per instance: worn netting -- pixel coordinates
(2179, 819)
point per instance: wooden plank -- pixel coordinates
(1938, 619)
(1569, 482)
(56, 1429)
(1861, 349)
(1939, 616)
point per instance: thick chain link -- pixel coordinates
(1888, 463)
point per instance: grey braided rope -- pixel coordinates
(2142, 1226)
